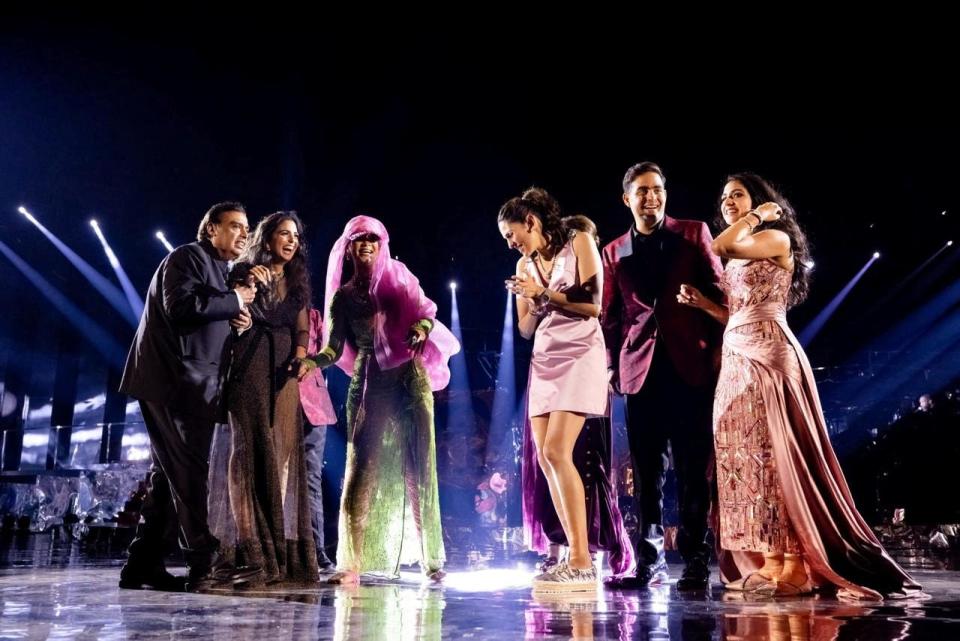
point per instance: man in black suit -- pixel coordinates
(176, 370)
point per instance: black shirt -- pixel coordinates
(649, 263)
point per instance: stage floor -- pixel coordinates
(52, 588)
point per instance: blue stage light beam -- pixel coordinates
(133, 297)
(110, 292)
(816, 325)
(101, 340)
(460, 417)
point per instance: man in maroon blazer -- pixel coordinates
(661, 356)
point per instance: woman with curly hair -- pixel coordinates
(268, 521)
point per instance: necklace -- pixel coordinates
(544, 264)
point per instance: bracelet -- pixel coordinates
(325, 357)
(424, 324)
(543, 297)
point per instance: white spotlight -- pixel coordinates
(163, 240)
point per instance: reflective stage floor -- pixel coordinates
(50, 588)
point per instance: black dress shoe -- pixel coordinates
(154, 577)
(695, 577)
(646, 576)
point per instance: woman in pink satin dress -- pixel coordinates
(558, 283)
(788, 523)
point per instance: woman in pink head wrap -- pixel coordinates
(382, 331)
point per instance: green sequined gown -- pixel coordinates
(390, 508)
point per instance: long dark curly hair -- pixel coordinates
(296, 272)
(762, 191)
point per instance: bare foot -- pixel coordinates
(795, 583)
(752, 582)
(346, 577)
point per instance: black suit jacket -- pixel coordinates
(182, 345)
